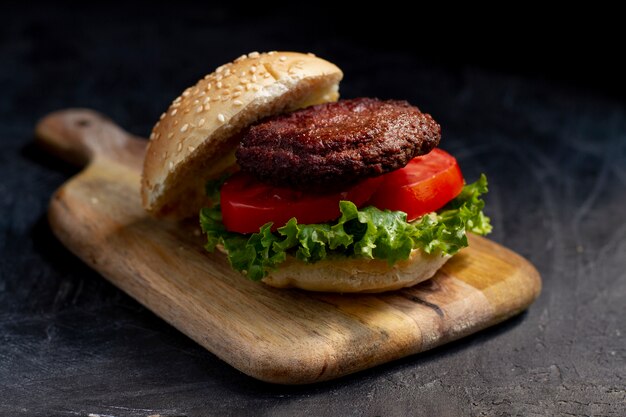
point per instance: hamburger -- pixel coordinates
(298, 189)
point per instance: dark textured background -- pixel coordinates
(541, 113)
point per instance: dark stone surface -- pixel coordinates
(554, 150)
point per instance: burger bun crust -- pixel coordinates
(195, 139)
(355, 275)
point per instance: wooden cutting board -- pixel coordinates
(281, 336)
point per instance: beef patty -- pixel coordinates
(332, 145)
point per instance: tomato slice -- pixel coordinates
(247, 204)
(425, 184)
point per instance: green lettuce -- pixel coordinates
(359, 233)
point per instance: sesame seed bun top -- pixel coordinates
(195, 139)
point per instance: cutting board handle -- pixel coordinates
(80, 136)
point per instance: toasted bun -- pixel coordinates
(195, 139)
(356, 275)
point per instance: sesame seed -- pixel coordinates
(186, 93)
(206, 100)
(254, 54)
(282, 58)
(219, 69)
(191, 148)
(219, 84)
(162, 116)
(241, 58)
(175, 122)
(253, 78)
(199, 109)
(252, 69)
(227, 72)
(152, 136)
(238, 88)
(221, 118)
(178, 99)
(206, 77)
(207, 107)
(171, 165)
(217, 98)
(201, 122)
(196, 91)
(271, 53)
(238, 103)
(236, 94)
(184, 128)
(173, 113)
(195, 102)
(179, 147)
(242, 74)
(186, 110)
(208, 86)
(218, 77)
(176, 105)
(248, 86)
(311, 54)
(266, 75)
(170, 135)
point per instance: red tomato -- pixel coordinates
(247, 204)
(425, 184)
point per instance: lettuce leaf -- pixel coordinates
(361, 233)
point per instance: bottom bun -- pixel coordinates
(356, 275)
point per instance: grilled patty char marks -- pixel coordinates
(332, 145)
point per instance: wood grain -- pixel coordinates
(281, 336)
